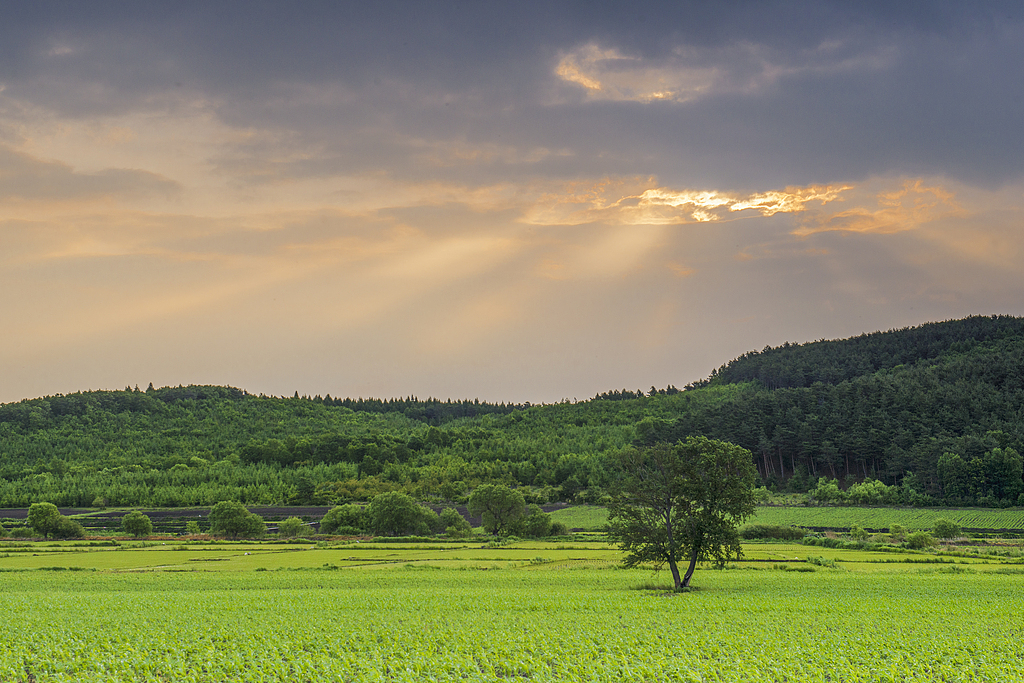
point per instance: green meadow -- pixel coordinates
(526, 611)
(592, 518)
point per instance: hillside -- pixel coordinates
(943, 401)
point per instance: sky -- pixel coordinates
(514, 201)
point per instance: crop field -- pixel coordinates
(592, 518)
(883, 518)
(528, 611)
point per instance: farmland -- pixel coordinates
(522, 611)
(983, 519)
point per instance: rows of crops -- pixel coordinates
(593, 518)
(883, 518)
(524, 625)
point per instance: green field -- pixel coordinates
(529, 611)
(592, 518)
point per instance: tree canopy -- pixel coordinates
(499, 507)
(232, 519)
(682, 502)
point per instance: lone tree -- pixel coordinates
(137, 524)
(230, 518)
(682, 502)
(499, 507)
(44, 518)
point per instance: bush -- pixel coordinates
(454, 524)
(21, 532)
(397, 514)
(558, 529)
(68, 528)
(3, 531)
(349, 516)
(192, 527)
(858, 534)
(291, 528)
(920, 540)
(137, 524)
(232, 519)
(536, 524)
(897, 531)
(945, 528)
(772, 531)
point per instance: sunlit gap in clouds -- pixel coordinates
(622, 202)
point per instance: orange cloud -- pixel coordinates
(628, 202)
(912, 205)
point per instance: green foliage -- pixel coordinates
(772, 532)
(397, 514)
(536, 523)
(232, 519)
(349, 516)
(3, 531)
(682, 502)
(192, 528)
(858, 534)
(291, 528)
(946, 529)
(499, 506)
(137, 524)
(921, 416)
(920, 540)
(44, 519)
(897, 531)
(454, 524)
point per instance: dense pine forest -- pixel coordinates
(926, 415)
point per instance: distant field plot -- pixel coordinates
(883, 518)
(586, 517)
(558, 625)
(591, 517)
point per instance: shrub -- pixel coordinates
(397, 514)
(919, 540)
(558, 529)
(945, 528)
(772, 531)
(3, 531)
(858, 534)
(192, 527)
(291, 528)
(455, 525)
(536, 524)
(349, 516)
(68, 528)
(898, 531)
(230, 518)
(21, 532)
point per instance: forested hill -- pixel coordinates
(943, 401)
(831, 362)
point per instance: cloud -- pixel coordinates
(633, 202)
(26, 178)
(690, 73)
(911, 206)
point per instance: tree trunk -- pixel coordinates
(693, 565)
(674, 568)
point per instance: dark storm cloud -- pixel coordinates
(940, 90)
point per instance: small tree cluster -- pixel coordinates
(293, 527)
(232, 519)
(45, 520)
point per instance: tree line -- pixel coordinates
(934, 410)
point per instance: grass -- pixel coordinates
(593, 518)
(528, 622)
